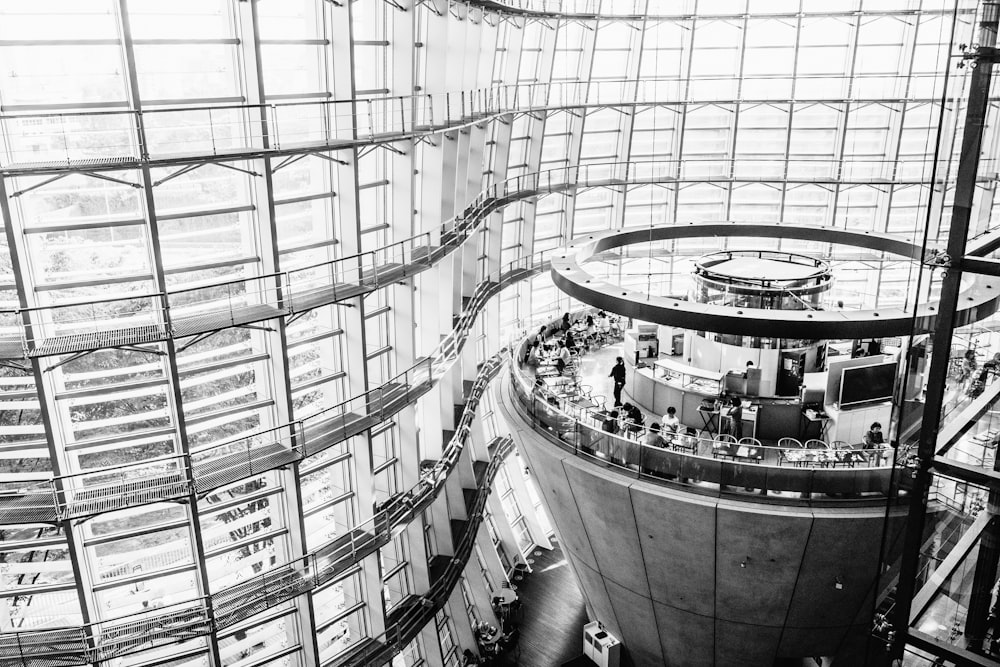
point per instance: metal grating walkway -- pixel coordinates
(131, 493)
(27, 507)
(339, 555)
(11, 348)
(83, 163)
(386, 273)
(43, 648)
(205, 322)
(212, 473)
(153, 631)
(327, 432)
(242, 601)
(96, 340)
(324, 296)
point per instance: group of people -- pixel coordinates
(630, 420)
(568, 343)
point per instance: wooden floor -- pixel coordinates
(554, 613)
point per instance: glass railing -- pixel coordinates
(708, 465)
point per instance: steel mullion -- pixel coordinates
(972, 135)
(176, 402)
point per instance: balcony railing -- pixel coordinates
(709, 465)
(135, 484)
(183, 621)
(145, 318)
(110, 139)
(129, 485)
(134, 320)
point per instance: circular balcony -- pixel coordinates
(761, 279)
(785, 472)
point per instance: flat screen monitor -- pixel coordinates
(867, 384)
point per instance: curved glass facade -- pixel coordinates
(252, 263)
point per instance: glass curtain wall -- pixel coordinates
(181, 183)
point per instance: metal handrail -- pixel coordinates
(130, 633)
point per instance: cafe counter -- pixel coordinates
(659, 384)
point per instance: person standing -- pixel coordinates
(736, 417)
(618, 373)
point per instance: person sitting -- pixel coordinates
(610, 424)
(570, 341)
(604, 323)
(632, 419)
(653, 437)
(591, 329)
(565, 324)
(562, 360)
(874, 438)
(671, 424)
(531, 358)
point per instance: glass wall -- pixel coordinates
(214, 214)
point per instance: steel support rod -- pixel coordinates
(965, 185)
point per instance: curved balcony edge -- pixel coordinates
(139, 632)
(418, 610)
(37, 332)
(706, 466)
(299, 128)
(589, 11)
(173, 478)
(978, 300)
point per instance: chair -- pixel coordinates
(839, 444)
(750, 448)
(813, 443)
(724, 444)
(790, 443)
(585, 390)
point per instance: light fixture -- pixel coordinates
(838, 584)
